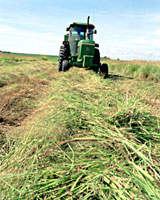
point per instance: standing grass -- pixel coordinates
(137, 69)
(114, 133)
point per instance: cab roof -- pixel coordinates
(80, 24)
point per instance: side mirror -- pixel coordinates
(95, 32)
(67, 29)
(96, 45)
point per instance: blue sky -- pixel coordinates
(127, 29)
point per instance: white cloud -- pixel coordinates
(131, 53)
(145, 47)
(140, 41)
(19, 40)
(154, 18)
(150, 42)
(6, 29)
(3, 20)
(157, 32)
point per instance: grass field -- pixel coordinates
(75, 135)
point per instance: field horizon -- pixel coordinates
(49, 55)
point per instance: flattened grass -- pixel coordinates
(121, 163)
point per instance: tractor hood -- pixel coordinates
(86, 42)
(86, 47)
(86, 50)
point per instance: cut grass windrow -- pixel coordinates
(90, 138)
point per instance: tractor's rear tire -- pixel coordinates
(65, 65)
(63, 55)
(104, 69)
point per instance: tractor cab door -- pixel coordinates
(76, 34)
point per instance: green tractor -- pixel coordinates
(79, 49)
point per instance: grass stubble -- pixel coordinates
(113, 124)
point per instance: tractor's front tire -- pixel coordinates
(65, 65)
(96, 60)
(104, 69)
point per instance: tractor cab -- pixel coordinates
(78, 32)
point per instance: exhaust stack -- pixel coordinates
(87, 30)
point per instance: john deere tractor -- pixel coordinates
(79, 49)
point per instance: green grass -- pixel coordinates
(120, 114)
(137, 69)
(21, 56)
